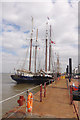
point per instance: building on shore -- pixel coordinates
(79, 68)
(75, 71)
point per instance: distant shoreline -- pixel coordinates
(6, 73)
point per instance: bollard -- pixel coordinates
(41, 93)
(21, 100)
(71, 96)
(45, 89)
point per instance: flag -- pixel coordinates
(52, 42)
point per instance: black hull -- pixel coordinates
(31, 80)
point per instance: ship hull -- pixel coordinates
(30, 80)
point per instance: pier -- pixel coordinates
(56, 104)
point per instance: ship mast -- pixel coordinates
(31, 47)
(50, 50)
(46, 48)
(36, 49)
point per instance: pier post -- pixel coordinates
(49, 82)
(26, 99)
(41, 93)
(71, 96)
(45, 89)
(67, 83)
(52, 83)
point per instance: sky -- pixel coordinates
(16, 29)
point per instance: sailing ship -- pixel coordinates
(26, 76)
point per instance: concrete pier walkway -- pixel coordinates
(57, 102)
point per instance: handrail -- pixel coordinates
(33, 88)
(18, 94)
(12, 97)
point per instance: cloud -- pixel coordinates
(17, 28)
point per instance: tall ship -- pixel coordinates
(40, 76)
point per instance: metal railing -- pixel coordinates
(26, 92)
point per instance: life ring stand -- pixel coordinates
(30, 102)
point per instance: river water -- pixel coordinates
(11, 88)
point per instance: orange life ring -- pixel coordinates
(30, 102)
